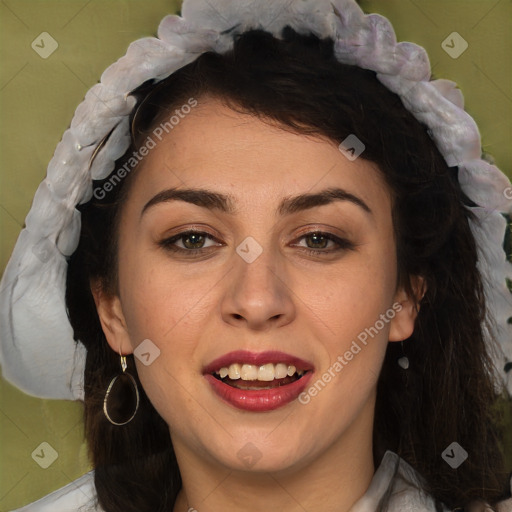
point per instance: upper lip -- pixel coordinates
(256, 358)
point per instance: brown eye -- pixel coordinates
(191, 241)
(318, 241)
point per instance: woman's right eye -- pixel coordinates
(192, 242)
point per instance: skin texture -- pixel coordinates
(310, 306)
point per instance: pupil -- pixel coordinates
(317, 236)
(196, 243)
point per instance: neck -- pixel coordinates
(332, 481)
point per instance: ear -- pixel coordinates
(406, 308)
(111, 318)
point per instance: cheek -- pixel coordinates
(160, 307)
(350, 297)
(171, 311)
(158, 302)
(352, 307)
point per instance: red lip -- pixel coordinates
(257, 358)
(259, 400)
(263, 399)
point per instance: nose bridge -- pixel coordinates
(258, 292)
(256, 270)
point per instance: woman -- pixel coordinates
(283, 277)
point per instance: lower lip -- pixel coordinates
(262, 399)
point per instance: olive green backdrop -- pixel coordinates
(38, 97)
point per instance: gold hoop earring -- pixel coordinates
(125, 399)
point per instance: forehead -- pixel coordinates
(244, 156)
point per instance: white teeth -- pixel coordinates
(265, 372)
(234, 371)
(249, 372)
(281, 371)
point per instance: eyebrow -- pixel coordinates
(225, 203)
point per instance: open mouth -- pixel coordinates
(258, 381)
(254, 377)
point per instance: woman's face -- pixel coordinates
(188, 304)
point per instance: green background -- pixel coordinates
(37, 101)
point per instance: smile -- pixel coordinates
(258, 381)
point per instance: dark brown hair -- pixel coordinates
(446, 394)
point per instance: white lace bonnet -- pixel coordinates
(37, 350)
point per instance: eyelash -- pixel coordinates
(168, 243)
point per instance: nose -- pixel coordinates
(259, 294)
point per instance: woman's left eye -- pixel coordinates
(319, 238)
(193, 243)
